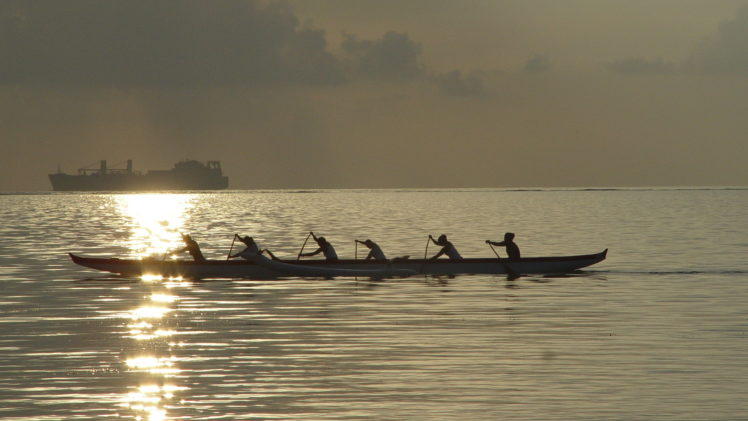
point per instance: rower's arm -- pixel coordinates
(270, 253)
(312, 253)
(437, 255)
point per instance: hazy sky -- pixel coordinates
(379, 93)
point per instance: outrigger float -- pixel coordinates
(264, 268)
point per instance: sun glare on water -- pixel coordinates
(156, 221)
(153, 364)
(148, 399)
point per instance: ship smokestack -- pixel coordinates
(103, 166)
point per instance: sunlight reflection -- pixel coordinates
(144, 335)
(153, 362)
(176, 281)
(149, 312)
(163, 298)
(172, 281)
(147, 400)
(157, 220)
(154, 365)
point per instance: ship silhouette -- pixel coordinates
(186, 175)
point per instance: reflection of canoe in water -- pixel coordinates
(272, 269)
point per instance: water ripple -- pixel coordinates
(656, 332)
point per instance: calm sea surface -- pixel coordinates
(659, 331)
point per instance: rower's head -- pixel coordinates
(248, 240)
(321, 240)
(369, 243)
(442, 239)
(509, 236)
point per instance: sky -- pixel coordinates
(379, 93)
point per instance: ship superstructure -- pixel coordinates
(186, 175)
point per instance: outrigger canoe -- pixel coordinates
(268, 269)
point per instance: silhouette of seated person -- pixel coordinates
(324, 247)
(447, 248)
(375, 252)
(191, 247)
(512, 249)
(251, 249)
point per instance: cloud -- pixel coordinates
(455, 84)
(193, 44)
(396, 57)
(728, 52)
(637, 65)
(537, 64)
(393, 57)
(159, 43)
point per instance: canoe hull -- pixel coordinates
(252, 270)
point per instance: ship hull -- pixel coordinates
(186, 175)
(134, 182)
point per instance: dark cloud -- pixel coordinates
(193, 43)
(396, 57)
(159, 43)
(455, 84)
(393, 57)
(636, 65)
(728, 52)
(725, 54)
(537, 64)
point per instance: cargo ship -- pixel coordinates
(186, 175)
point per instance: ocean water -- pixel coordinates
(658, 331)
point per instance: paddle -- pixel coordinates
(302, 246)
(232, 247)
(510, 274)
(169, 252)
(425, 253)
